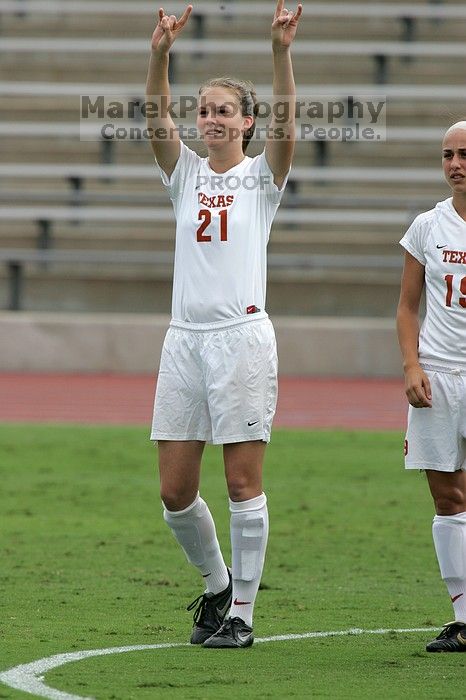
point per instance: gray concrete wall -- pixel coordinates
(43, 342)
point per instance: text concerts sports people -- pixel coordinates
(435, 372)
(218, 372)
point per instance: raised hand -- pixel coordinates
(168, 28)
(284, 25)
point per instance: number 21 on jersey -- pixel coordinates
(205, 217)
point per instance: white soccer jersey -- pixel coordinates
(437, 239)
(222, 230)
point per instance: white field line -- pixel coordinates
(29, 678)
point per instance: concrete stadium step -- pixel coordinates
(322, 195)
(312, 238)
(383, 154)
(413, 191)
(293, 292)
(70, 150)
(316, 292)
(73, 290)
(216, 24)
(133, 68)
(321, 243)
(122, 192)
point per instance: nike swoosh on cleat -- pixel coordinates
(222, 611)
(243, 637)
(456, 597)
(241, 602)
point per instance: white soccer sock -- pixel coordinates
(249, 527)
(194, 529)
(449, 533)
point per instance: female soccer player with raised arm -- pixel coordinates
(435, 373)
(218, 371)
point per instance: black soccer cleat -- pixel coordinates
(209, 613)
(451, 638)
(233, 634)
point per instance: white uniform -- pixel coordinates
(222, 228)
(435, 437)
(217, 379)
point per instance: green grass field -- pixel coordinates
(87, 563)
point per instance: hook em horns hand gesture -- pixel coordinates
(168, 28)
(284, 25)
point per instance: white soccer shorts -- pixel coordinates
(436, 436)
(218, 386)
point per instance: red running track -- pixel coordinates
(374, 404)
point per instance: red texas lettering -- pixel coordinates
(217, 200)
(455, 256)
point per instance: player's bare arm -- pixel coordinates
(417, 385)
(165, 141)
(279, 151)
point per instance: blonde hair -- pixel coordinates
(245, 93)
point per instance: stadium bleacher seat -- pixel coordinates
(352, 200)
